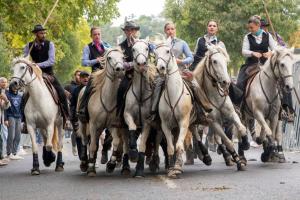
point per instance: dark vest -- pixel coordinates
(94, 53)
(263, 47)
(41, 55)
(200, 52)
(127, 51)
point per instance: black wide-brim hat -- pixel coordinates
(38, 28)
(130, 25)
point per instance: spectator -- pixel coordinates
(13, 117)
(4, 104)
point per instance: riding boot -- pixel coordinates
(198, 93)
(159, 82)
(83, 114)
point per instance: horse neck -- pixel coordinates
(211, 91)
(268, 78)
(37, 89)
(140, 83)
(111, 87)
(174, 82)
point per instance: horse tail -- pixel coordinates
(55, 139)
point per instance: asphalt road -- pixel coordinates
(260, 181)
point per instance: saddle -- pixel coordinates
(252, 71)
(48, 79)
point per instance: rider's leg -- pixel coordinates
(159, 82)
(82, 110)
(62, 96)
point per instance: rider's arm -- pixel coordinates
(85, 61)
(188, 54)
(26, 50)
(246, 47)
(51, 59)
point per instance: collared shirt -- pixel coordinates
(246, 45)
(181, 50)
(51, 54)
(213, 39)
(85, 61)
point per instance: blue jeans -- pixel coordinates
(14, 135)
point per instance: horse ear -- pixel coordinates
(274, 56)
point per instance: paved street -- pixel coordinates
(260, 181)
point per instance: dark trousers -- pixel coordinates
(1, 142)
(121, 95)
(61, 95)
(242, 78)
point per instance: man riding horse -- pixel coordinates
(43, 54)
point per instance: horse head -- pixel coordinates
(281, 63)
(140, 51)
(216, 66)
(163, 56)
(23, 70)
(114, 62)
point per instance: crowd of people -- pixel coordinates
(256, 49)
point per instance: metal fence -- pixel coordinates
(291, 135)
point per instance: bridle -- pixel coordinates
(28, 68)
(141, 54)
(111, 75)
(164, 60)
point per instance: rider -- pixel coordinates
(130, 29)
(92, 56)
(209, 38)
(184, 58)
(43, 54)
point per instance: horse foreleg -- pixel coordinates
(35, 164)
(111, 165)
(94, 144)
(278, 137)
(170, 149)
(139, 170)
(242, 131)
(59, 161)
(218, 129)
(125, 164)
(133, 152)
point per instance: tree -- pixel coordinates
(18, 17)
(191, 17)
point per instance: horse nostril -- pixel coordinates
(118, 69)
(287, 87)
(162, 67)
(145, 63)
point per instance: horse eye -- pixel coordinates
(22, 68)
(147, 49)
(109, 58)
(133, 50)
(215, 62)
(281, 65)
(168, 51)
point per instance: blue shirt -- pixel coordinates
(15, 105)
(180, 48)
(85, 61)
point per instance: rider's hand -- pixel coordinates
(6, 123)
(100, 59)
(179, 61)
(267, 54)
(256, 54)
(3, 97)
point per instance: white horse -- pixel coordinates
(138, 104)
(263, 100)
(41, 112)
(102, 110)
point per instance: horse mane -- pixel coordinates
(35, 68)
(98, 77)
(151, 72)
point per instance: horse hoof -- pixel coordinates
(59, 168)
(259, 141)
(91, 173)
(243, 160)
(35, 172)
(104, 158)
(126, 171)
(83, 167)
(207, 160)
(189, 162)
(172, 174)
(154, 165)
(133, 155)
(241, 167)
(139, 174)
(281, 158)
(110, 167)
(264, 157)
(118, 164)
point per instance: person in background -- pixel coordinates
(265, 26)
(83, 81)
(4, 104)
(13, 117)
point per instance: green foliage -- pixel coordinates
(5, 58)
(65, 26)
(191, 17)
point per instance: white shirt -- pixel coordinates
(258, 39)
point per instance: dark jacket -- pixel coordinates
(73, 102)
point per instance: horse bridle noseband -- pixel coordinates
(165, 61)
(27, 68)
(109, 75)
